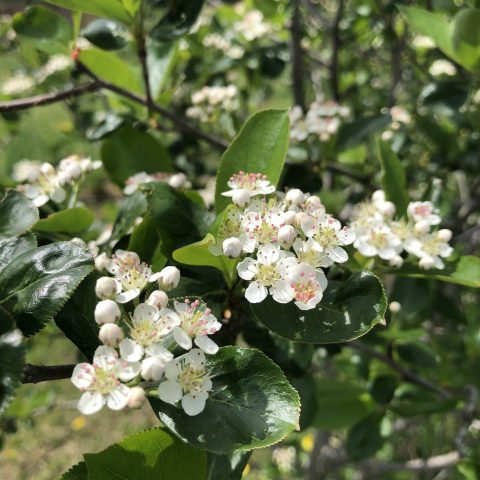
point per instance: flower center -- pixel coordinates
(305, 291)
(105, 381)
(191, 379)
(248, 181)
(135, 277)
(145, 332)
(267, 274)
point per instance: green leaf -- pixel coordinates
(432, 24)
(11, 248)
(198, 254)
(305, 386)
(463, 271)
(47, 30)
(72, 220)
(383, 388)
(393, 178)
(354, 133)
(179, 221)
(417, 353)
(17, 214)
(77, 472)
(227, 467)
(35, 286)
(105, 34)
(364, 439)
(177, 21)
(144, 239)
(102, 8)
(260, 147)
(347, 311)
(76, 319)
(150, 455)
(109, 67)
(466, 37)
(128, 151)
(252, 405)
(340, 404)
(133, 206)
(160, 60)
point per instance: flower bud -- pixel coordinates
(295, 196)
(111, 334)
(158, 299)
(78, 241)
(300, 217)
(232, 247)
(378, 196)
(313, 202)
(444, 235)
(102, 262)
(178, 180)
(396, 261)
(106, 287)
(107, 311)
(136, 397)
(289, 217)
(241, 197)
(386, 208)
(422, 227)
(426, 263)
(287, 235)
(395, 307)
(169, 278)
(152, 369)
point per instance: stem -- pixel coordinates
(43, 373)
(334, 81)
(297, 57)
(72, 201)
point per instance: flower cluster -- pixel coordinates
(322, 120)
(252, 25)
(175, 180)
(287, 240)
(140, 341)
(222, 43)
(379, 233)
(209, 101)
(45, 182)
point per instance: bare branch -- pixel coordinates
(44, 373)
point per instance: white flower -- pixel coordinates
(107, 311)
(232, 247)
(442, 67)
(430, 248)
(253, 183)
(444, 235)
(179, 180)
(312, 253)
(418, 211)
(26, 170)
(106, 288)
(136, 397)
(241, 197)
(168, 278)
(72, 168)
(286, 235)
(195, 320)
(188, 382)
(153, 368)
(132, 183)
(101, 381)
(266, 272)
(379, 240)
(110, 334)
(102, 262)
(19, 83)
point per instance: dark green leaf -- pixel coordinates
(356, 132)
(226, 467)
(252, 405)
(417, 353)
(128, 151)
(144, 239)
(160, 60)
(150, 455)
(364, 439)
(72, 220)
(305, 386)
(466, 37)
(77, 472)
(133, 206)
(105, 34)
(17, 214)
(346, 312)
(260, 147)
(383, 388)
(393, 177)
(11, 248)
(35, 286)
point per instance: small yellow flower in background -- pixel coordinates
(78, 423)
(307, 443)
(10, 453)
(246, 470)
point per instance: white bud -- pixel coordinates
(396, 261)
(289, 217)
(110, 334)
(314, 202)
(422, 227)
(152, 369)
(378, 196)
(169, 278)
(295, 196)
(47, 169)
(106, 287)
(178, 180)
(74, 171)
(107, 311)
(102, 262)
(444, 235)
(158, 299)
(232, 247)
(395, 307)
(136, 397)
(287, 235)
(386, 208)
(241, 197)
(300, 217)
(78, 241)
(426, 263)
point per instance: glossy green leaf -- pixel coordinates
(36, 284)
(365, 439)
(72, 220)
(128, 151)
(105, 34)
(340, 404)
(463, 271)
(260, 147)
(77, 472)
(11, 248)
(144, 239)
(358, 131)
(465, 30)
(252, 405)
(393, 178)
(227, 467)
(150, 455)
(110, 67)
(305, 386)
(347, 311)
(76, 319)
(133, 206)
(160, 60)
(17, 214)
(102, 8)
(179, 221)
(47, 30)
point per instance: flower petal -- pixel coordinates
(127, 296)
(256, 292)
(170, 391)
(182, 338)
(90, 402)
(118, 398)
(193, 404)
(206, 344)
(130, 350)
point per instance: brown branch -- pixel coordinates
(297, 57)
(44, 373)
(48, 98)
(406, 374)
(142, 55)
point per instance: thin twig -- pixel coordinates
(297, 57)
(406, 374)
(44, 373)
(336, 43)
